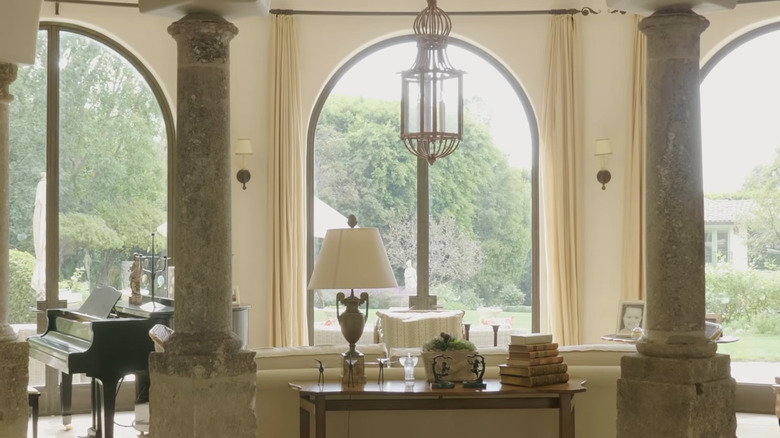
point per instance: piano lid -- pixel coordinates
(100, 302)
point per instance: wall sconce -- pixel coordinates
(243, 148)
(603, 148)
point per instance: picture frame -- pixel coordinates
(629, 311)
(236, 299)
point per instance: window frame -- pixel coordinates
(422, 168)
(53, 30)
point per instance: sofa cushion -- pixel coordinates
(413, 328)
(285, 358)
(595, 354)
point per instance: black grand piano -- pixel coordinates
(101, 344)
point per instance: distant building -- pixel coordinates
(724, 240)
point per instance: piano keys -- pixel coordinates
(104, 348)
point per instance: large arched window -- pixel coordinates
(482, 198)
(90, 125)
(741, 163)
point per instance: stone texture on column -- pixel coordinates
(203, 243)
(203, 385)
(676, 386)
(14, 410)
(7, 76)
(14, 356)
(675, 201)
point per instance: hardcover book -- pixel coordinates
(532, 370)
(514, 354)
(548, 379)
(530, 338)
(535, 361)
(535, 347)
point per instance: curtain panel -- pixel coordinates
(561, 138)
(287, 302)
(633, 277)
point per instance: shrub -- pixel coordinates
(445, 342)
(22, 296)
(742, 295)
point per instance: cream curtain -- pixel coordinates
(561, 137)
(286, 219)
(633, 281)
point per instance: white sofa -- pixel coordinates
(278, 413)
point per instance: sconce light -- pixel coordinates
(603, 148)
(243, 148)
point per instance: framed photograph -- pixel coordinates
(630, 314)
(236, 298)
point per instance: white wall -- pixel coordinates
(518, 41)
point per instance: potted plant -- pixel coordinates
(456, 350)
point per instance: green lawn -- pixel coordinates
(753, 348)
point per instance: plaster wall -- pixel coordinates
(326, 42)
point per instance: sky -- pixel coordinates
(740, 105)
(508, 119)
(740, 113)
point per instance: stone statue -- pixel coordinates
(410, 277)
(135, 280)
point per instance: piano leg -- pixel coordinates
(108, 388)
(66, 394)
(95, 430)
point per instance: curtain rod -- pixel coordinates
(95, 3)
(584, 11)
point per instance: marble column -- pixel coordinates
(14, 355)
(676, 385)
(203, 384)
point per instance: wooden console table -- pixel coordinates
(316, 400)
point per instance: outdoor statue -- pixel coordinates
(135, 280)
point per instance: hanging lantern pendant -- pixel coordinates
(432, 91)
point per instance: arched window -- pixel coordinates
(482, 198)
(741, 163)
(89, 123)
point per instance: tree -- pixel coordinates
(112, 156)
(480, 206)
(763, 220)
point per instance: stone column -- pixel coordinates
(203, 375)
(677, 385)
(14, 355)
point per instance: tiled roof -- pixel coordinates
(725, 211)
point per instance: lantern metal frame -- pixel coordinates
(430, 129)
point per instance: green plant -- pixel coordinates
(22, 294)
(445, 342)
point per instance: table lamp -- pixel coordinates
(352, 258)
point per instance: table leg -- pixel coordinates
(319, 417)
(566, 416)
(304, 416)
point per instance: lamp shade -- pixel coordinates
(352, 258)
(243, 147)
(603, 147)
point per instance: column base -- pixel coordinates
(14, 407)
(202, 396)
(665, 397)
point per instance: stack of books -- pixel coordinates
(533, 361)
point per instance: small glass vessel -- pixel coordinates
(408, 362)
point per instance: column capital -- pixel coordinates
(648, 7)
(199, 24)
(7, 76)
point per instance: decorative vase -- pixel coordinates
(459, 367)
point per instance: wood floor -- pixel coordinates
(748, 426)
